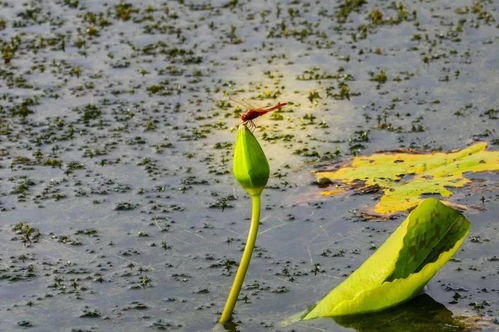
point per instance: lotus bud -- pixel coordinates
(250, 168)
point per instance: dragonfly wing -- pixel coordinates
(248, 104)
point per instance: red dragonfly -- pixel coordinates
(253, 113)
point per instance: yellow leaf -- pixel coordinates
(428, 173)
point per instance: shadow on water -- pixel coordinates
(422, 313)
(227, 327)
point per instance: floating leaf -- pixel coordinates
(399, 269)
(428, 173)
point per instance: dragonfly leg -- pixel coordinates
(252, 125)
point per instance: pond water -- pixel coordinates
(118, 210)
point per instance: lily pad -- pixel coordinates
(399, 269)
(405, 177)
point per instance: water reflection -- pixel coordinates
(422, 313)
(227, 327)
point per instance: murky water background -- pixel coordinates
(116, 138)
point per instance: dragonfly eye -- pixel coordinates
(243, 117)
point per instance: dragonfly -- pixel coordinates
(254, 112)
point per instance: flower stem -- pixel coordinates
(245, 260)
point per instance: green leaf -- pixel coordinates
(399, 269)
(432, 173)
(250, 167)
(426, 239)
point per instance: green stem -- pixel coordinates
(245, 260)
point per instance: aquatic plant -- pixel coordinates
(251, 170)
(399, 269)
(435, 172)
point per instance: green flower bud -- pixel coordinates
(250, 168)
